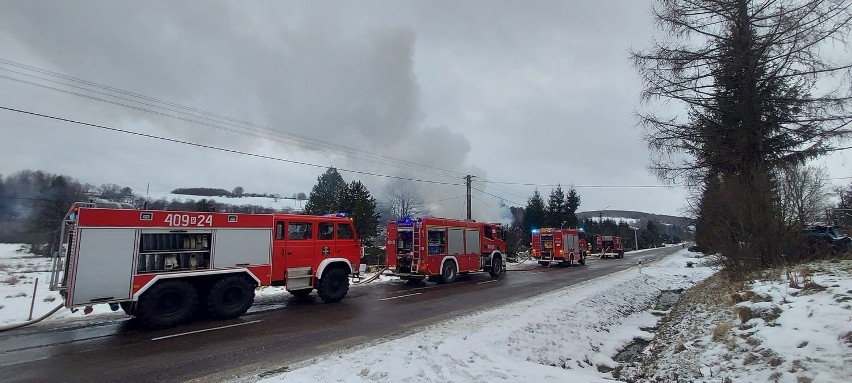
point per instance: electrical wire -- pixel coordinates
(233, 151)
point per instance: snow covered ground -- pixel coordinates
(277, 204)
(569, 335)
(788, 326)
(18, 272)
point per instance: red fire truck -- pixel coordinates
(610, 245)
(439, 248)
(559, 246)
(164, 267)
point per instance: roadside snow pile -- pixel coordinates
(568, 335)
(791, 328)
(18, 271)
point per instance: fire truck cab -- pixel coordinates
(440, 249)
(165, 267)
(564, 247)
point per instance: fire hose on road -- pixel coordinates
(29, 322)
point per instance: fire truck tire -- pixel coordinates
(582, 258)
(570, 261)
(230, 297)
(127, 307)
(333, 286)
(496, 267)
(449, 272)
(167, 304)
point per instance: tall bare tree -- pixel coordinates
(404, 201)
(804, 195)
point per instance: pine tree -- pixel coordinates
(357, 201)
(534, 215)
(556, 212)
(572, 203)
(325, 195)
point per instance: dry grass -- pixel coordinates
(721, 331)
(12, 280)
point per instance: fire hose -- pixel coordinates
(29, 322)
(374, 277)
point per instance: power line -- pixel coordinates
(304, 141)
(173, 140)
(498, 197)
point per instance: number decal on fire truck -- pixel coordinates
(200, 220)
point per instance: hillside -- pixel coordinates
(636, 216)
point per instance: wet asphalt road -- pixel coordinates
(275, 334)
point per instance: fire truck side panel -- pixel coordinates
(241, 247)
(104, 266)
(472, 249)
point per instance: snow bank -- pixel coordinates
(557, 337)
(766, 331)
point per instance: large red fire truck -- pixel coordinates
(164, 267)
(559, 246)
(439, 248)
(610, 245)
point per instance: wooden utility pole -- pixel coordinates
(467, 181)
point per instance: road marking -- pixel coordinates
(479, 283)
(206, 330)
(399, 296)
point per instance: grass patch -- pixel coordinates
(274, 371)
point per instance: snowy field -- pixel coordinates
(569, 335)
(277, 204)
(18, 272)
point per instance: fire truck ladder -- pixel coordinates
(66, 243)
(415, 248)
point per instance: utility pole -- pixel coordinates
(467, 181)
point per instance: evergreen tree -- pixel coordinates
(325, 196)
(534, 215)
(556, 212)
(572, 203)
(357, 201)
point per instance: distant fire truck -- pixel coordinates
(610, 245)
(439, 248)
(164, 267)
(559, 246)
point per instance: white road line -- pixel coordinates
(399, 296)
(493, 280)
(205, 330)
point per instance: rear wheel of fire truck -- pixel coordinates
(333, 286)
(570, 261)
(582, 258)
(167, 304)
(621, 254)
(496, 267)
(230, 297)
(448, 272)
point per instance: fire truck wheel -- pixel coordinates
(333, 286)
(582, 258)
(496, 267)
(167, 304)
(127, 307)
(230, 297)
(448, 272)
(570, 261)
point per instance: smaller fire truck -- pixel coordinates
(563, 247)
(166, 267)
(610, 245)
(439, 249)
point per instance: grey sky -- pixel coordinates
(523, 91)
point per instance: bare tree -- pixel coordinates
(404, 201)
(804, 195)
